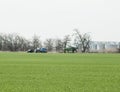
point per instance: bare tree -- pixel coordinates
(10, 41)
(59, 45)
(1, 40)
(66, 41)
(36, 42)
(83, 40)
(4, 42)
(23, 44)
(49, 44)
(15, 42)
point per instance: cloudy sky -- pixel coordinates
(56, 18)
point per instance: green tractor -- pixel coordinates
(70, 49)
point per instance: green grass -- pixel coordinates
(23, 72)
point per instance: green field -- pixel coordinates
(23, 72)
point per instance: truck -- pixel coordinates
(40, 50)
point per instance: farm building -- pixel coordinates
(99, 46)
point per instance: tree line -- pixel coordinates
(15, 42)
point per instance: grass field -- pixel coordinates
(23, 72)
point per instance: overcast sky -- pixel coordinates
(56, 18)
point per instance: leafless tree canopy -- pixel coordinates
(49, 44)
(36, 42)
(15, 42)
(66, 40)
(59, 45)
(82, 40)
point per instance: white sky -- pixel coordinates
(55, 18)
